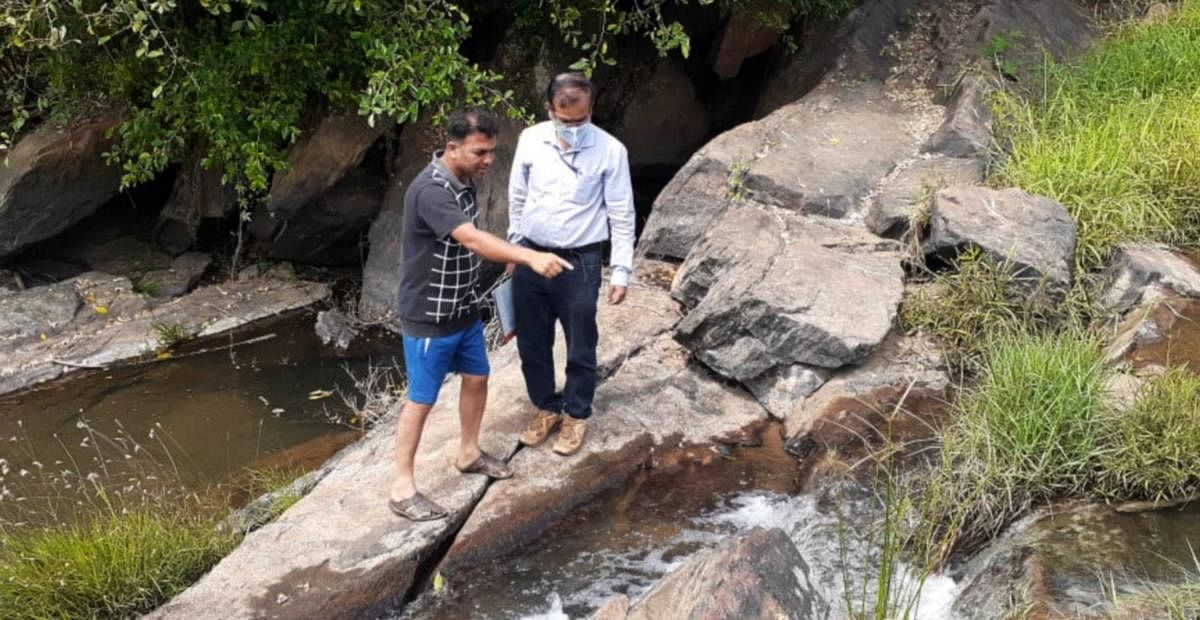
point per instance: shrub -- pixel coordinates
(1154, 447)
(119, 564)
(1030, 430)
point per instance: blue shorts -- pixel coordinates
(428, 360)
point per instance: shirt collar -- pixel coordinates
(444, 171)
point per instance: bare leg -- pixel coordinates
(471, 402)
(408, 435)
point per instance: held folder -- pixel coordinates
(503, 299)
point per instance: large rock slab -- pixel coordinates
(36, 311)
(53, 178)
(758, 575)
(656, 401)
(183, 274)
(893, 396)
(821, 155)
(339, 552)
(769, 290)
(113, 324)
(1033, 234)
(318, 208)
(904, 194)
(1137, 269)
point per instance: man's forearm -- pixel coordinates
(493, 248)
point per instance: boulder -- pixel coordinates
(381, 273)
(198, 195)
(967, 128)
(758, 575)
(125, 256)
(334, 327)
(665, 121)
(53, 178)
(1137, 269)
(821, 155)
(690, 407)
(181, 277)
(339, 552)
(1033, 234)
(318, 208)
(911, 189)
(893, 396)
(768, 290)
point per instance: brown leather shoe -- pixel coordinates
(570, 437)
(540, 427)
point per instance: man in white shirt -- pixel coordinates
(569, 193)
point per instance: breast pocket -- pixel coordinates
(587, 188)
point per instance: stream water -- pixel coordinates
(626, 539)
(191, 421)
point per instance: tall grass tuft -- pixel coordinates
(1029, 431)
(1113, 137)
(1154, 447)
(118, 564)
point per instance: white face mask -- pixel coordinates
(572, 135)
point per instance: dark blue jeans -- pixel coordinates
(570, 299)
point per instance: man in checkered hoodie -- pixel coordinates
(439, 302)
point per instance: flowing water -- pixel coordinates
(190, 421)
(626, 539)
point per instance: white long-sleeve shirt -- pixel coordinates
(568, 198)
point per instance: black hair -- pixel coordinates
(563, 83)
(466, 122)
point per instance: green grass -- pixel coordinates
(1113, 137)
(1029, 431)
(118, 564)
(1154, 448)
(969, 306)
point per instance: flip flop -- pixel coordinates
(417, 508)
(489, 466)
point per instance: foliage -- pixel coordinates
(118, 564)
(1113, 137)
(1030, 431)
(969, 306)
(1154, 448)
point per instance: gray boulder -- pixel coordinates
(758, 575)
(768, 290)
(1137, 268)
(181, 277)
(665, 121)
(902, 194)
(1034, 234)
(820, 156)
(53, 178)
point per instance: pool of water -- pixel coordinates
(189, 422)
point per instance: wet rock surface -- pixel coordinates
(1067, 564)
(759, 575)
